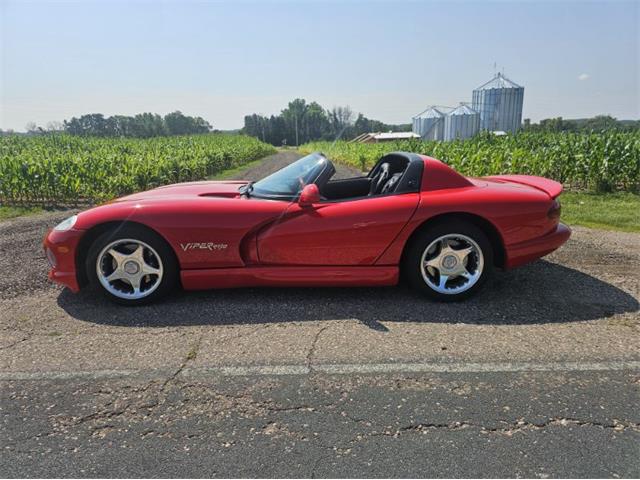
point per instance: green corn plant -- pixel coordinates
(56, 170)
(595, 161)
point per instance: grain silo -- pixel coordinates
(499, 103)
(463, 122)
(429, 124)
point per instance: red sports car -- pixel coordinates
(411, 214)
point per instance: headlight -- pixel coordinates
(51, 258)
(67, 224)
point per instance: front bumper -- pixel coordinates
(60, 249)
(526, 252)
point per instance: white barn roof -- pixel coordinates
(395, 136)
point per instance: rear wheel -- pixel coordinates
(450, 261)
(131, 265)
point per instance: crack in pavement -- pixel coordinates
(191, 355)
(248, 407)
(155, 400)
(18, 342)
(163, 410)
(312, 349)
(510, 429)
(131, 407)
(522, 425)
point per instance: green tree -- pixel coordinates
(143, 125)
(301, 122)
(294, 116)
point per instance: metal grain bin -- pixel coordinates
(499, 102)
(417, 125)
(463, 122)
(429, 124)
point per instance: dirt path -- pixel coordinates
(282, 159)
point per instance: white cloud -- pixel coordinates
(583, 76)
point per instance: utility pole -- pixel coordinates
(262, 118)
(295, 116)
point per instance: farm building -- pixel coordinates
(384, 137)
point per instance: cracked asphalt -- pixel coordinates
(541, 425)
(538, 376)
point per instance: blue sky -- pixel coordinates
(386, 59)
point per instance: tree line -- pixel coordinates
(142, 125)
(599, 123)
(301, 122)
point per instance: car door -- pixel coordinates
(348, 232)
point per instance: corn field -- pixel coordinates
(598, 161)
(58, 170)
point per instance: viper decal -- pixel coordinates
(203, 246)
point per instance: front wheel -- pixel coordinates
(131, 265)
(449, 261)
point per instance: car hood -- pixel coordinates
(224, 189)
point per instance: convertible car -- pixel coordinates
(411, 215)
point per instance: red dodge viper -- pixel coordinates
(410, 215)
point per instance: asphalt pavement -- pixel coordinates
(527, 424)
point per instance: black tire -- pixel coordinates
(413, 257)
(167, 256)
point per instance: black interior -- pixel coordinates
(389, 175)
(346, 188)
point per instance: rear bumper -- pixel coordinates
(525, 252)
(60, 250)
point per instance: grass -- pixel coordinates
(606, 211)
(193, 353)
(7, 213)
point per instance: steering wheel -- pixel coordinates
(378, 181)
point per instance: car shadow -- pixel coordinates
(539, 293)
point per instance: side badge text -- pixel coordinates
(203, 246)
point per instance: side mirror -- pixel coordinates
(309, 195)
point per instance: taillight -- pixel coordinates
(554, 211)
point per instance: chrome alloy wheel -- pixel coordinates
(452, 264)
(129, 269)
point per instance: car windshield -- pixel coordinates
(289, 181)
